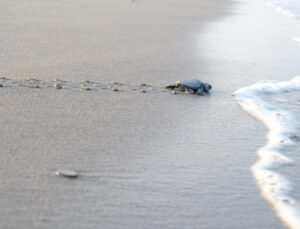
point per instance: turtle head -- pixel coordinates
(207, 87)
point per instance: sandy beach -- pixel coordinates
(145, 160)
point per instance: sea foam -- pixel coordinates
(275, 187)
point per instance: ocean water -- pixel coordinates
(290, 8)
(277, 105)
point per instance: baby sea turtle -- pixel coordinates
(191, 86)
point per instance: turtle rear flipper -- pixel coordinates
(170, 86)
(188, 90)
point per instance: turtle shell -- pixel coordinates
(193, 83)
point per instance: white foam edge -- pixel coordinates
(281, 10)
(275, 187)
(297, 39)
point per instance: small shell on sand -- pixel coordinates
(66, 173)
(57, 86)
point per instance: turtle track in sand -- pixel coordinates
(83, 85)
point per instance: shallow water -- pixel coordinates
(290, 8)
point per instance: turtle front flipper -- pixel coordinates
(195, 91)
(201, 91)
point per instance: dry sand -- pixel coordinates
(146, 160)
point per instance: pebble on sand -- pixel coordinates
(1, 85)
(84, 87)
(34, 86)
(85, 81)
(66, 173)
(115, 89)
(57, 86)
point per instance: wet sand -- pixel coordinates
(146, 160)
